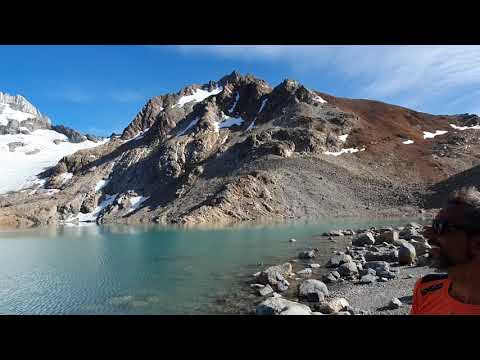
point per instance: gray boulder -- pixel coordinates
(333, 306)
(409, 233)
(275, 274)
(13, 145)
(314, 266)
(337, 260)
(313, 290)
(335, 233)
(389, 236)
(386, 274)
(282, 285)
(424, 260)
(266, 290)
(296, 309)
(377, 265)
(348, 269)
(368, 279)
(364, 272)
(394, 304)
(363, 239)
(276, 305)
(389, 256)
(306, 271)
(331, 277)
(421, 247)
(307, 254)
(406, 254)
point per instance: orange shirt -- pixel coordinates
(431, 297)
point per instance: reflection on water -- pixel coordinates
(146, 269)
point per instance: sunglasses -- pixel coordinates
(442, 226)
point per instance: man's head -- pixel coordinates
(456, 229)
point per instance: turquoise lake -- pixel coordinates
(145, 269)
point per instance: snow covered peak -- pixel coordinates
(16, 107)
(19, 103)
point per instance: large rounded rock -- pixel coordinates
(296, 309)
(333, 306)
(406, 254)
(331, 277)
(313, 290)
(276, 305)
(348, 269)
(363, 239)
(421, 247)
(389, 236)
(275, 274)
(337, 260)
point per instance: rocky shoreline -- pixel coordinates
(374, 275)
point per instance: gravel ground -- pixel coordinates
(373, 297)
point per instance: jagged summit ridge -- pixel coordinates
(238, 149)
(19, 103)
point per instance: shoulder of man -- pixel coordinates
(433, 277)
(431, 283)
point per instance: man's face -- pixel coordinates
(454, 246)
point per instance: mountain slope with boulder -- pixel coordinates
(239, 150)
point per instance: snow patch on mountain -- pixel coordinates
(251, 126)
(136, 201)
(101, 184)
(65, 177)
(197, 96)
(319, 99)
(461, 128)
(343, 138)
(237, 97)
(344, 151)
(192, 124)
(429, 135)
(408, 142)
(263, 105)
(228, 121)
(39, 152)
(92, 216)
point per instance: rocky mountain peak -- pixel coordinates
(19, 103)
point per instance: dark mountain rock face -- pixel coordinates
(72, 135)
(238, 149)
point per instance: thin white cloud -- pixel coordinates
(380, 72)
(73, 95)
(127, 96)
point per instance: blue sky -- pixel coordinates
(99, 89)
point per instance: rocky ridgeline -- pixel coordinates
(239, 150)
(375, 255)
